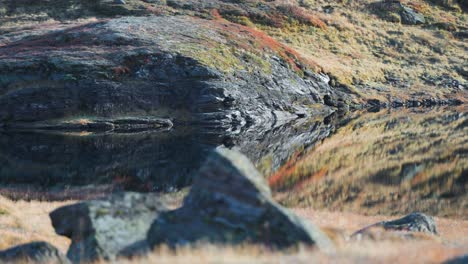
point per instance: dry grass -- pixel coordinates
(425, 250)
(22, 222)
(361, 51)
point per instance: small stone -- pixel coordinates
(120, 2)
(414, 222)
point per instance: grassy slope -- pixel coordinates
(366, 53)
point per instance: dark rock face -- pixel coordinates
(103, 229)
(35, 252)
(182, 69)
(230, 203)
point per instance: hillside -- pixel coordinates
(370, 49)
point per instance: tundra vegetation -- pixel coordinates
(105, 69)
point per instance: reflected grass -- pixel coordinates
(384, 163)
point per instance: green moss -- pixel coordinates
(265, 165)
(101, 212)
(219, 57)
(256, 60)
(243, 20)
(393, 17)
(4, 212)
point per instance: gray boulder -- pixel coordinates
(230, 203)
(104, 229)
(35, 252)
(410, 16)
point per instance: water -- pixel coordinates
(390, 162)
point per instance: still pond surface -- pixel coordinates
(389, 162)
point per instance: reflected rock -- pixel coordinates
(146, 162)
(61, 166)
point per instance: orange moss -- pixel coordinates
(215, 14)
(312, 178)
(285, 171)
(303, 16)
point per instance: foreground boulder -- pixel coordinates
(230, 203)
(458, 260)
(35, 252)
(414, 222)
(177, 69)
(104, 229)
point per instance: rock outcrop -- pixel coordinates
(104, 229)
(230, 203)
(35, 252)
(181, 69)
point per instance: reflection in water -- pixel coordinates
(56, 166)
(384, 163)
(140, 162)
(375, 163)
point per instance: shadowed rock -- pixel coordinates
(35, 252)
(103, 229)
(230, 203)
